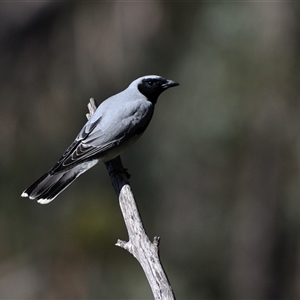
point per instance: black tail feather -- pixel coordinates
(50, 185)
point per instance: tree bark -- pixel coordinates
(139, 245)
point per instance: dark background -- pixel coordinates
(216, 175)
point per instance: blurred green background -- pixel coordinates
(216, 175)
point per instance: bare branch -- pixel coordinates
(139, 245)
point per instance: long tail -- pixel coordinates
(49, 186)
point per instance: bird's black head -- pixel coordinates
(153, 86)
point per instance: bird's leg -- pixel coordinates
(125, 171)
(115, 166)
(121, 170)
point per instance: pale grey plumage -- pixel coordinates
(117, 123)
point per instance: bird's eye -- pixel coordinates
(150, 83)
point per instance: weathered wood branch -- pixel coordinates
(139, 245)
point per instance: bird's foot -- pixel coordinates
(120, 170)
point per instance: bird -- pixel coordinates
(117, 123)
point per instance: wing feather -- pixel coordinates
(96, 137)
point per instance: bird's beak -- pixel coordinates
(170, 83)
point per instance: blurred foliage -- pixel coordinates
(216, 175)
